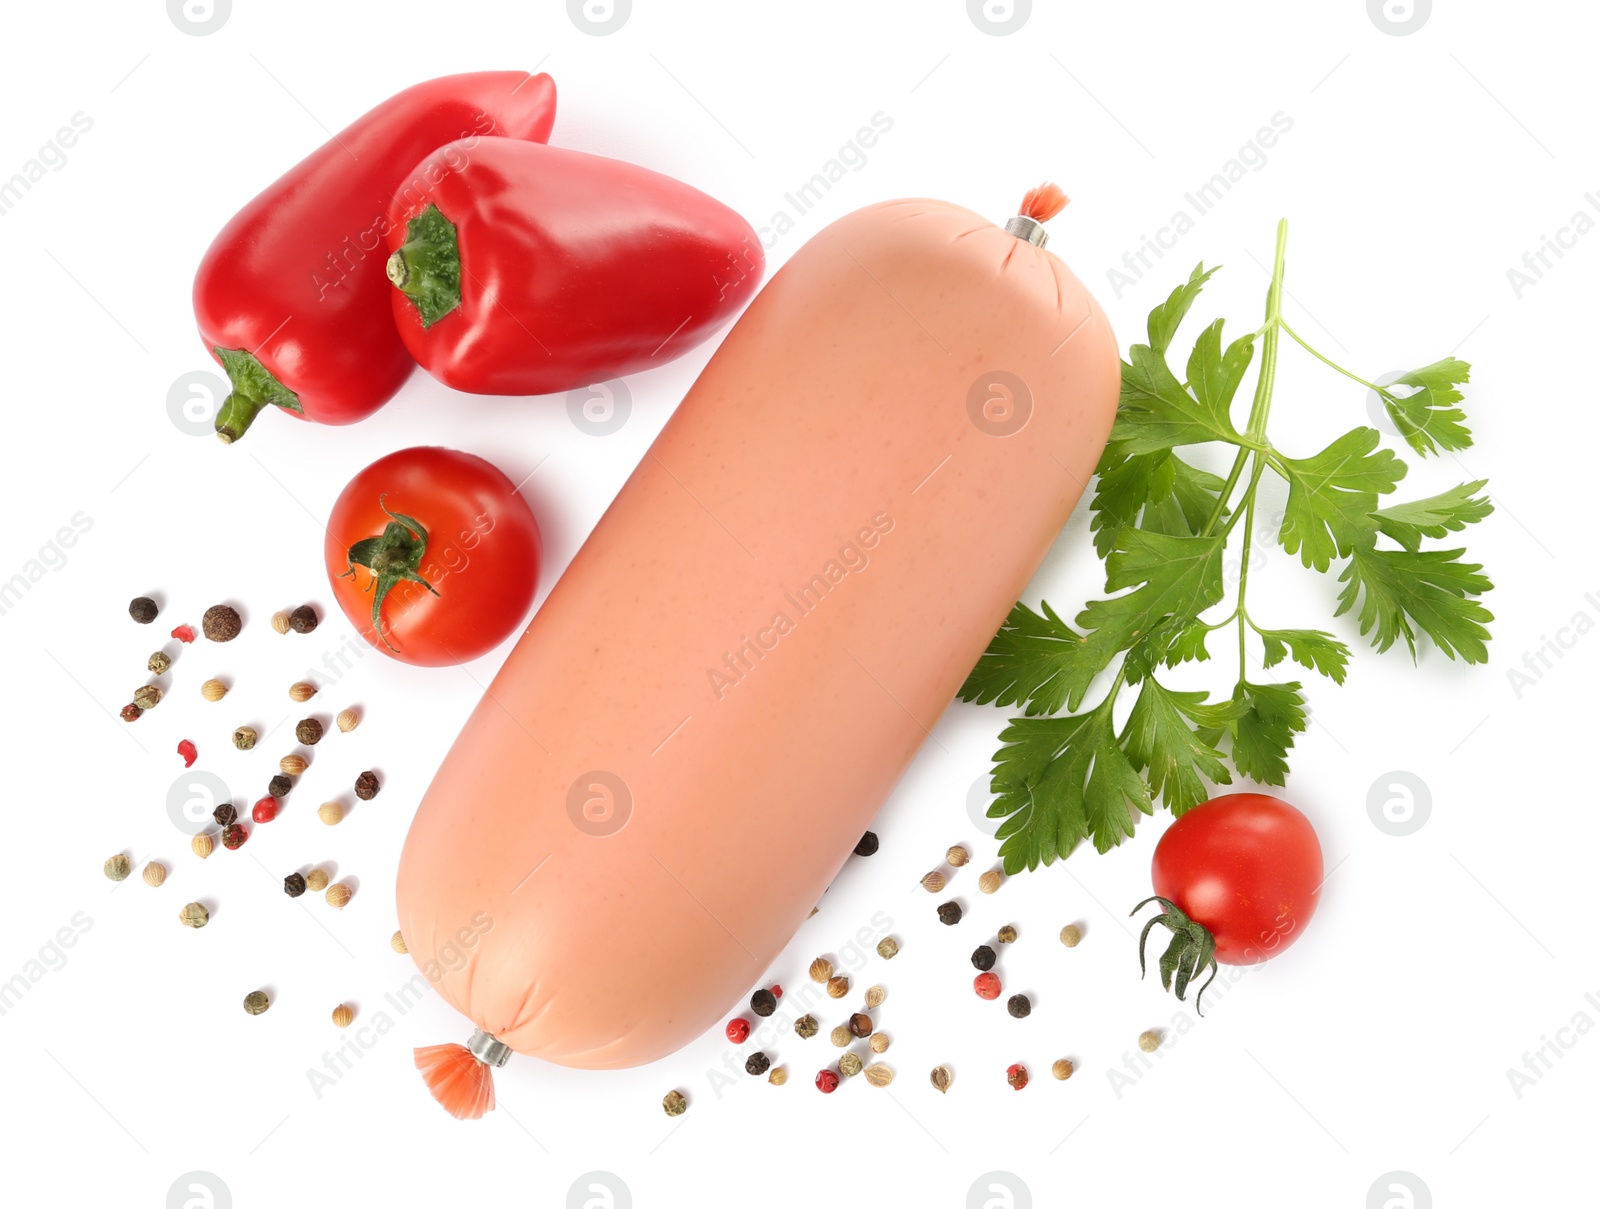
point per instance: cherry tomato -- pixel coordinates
(433, 556)
(1245, 866)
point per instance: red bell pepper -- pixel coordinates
(287, 298)
(524, 269)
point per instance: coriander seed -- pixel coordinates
(957, 856)
(990, 881)
(983, 958)
(117, 867)
(849, 1065)
(143, 610)
(674, 1103)
(338, 895)
(933, 882)
(757, 1064)
(302, 691)
(280, 622)
(841, 1036)
(292, 766)
(303, 620)
(317, 881)
(367, 786)
(860, 1025)
(279, 786)
(347, 720)
(308, 731)
(779, 1076)
(147, 697)
(213, 690)
(244, 738)
(256, 1002)
(194, 915)
(331, 812)
(941, 1078)
(225, 815)
(806, 1027)
(1061, 1068)
(220, 623)
(878, 1042)
(201, 845)
(294, 885)
(888, 947)
(397, 942)
(875, 997)
(1019, 1006)
(159, 663)
(763, 1002)
(949, 913)
(1149, 1041)
(867, 844)
(821, 970)
(838, 987)
(879, 1075)
(343, 1015)
(155, 873)
(1071, 935)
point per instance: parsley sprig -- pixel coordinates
(1065, 773)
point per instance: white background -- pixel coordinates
(1418, 170)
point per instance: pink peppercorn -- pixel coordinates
(827, 1081)
(1017, 1076)
(987, 985)
(777, 991)
(189, 753)
(184, 633)
(738, 1030)
(265, 810)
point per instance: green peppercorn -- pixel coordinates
(308, 731)
(367, 786)
(983, 958)
(1019, 1006)
(221, 623)
(675, 1103)
(194, 915)
(1007, 935)
(244, 738)
(806, 1027)
(159, 663)
(303, 620)
(117, 867)
(256, 1002)
(294, 885)
(143, 610)
(279, 786)
(147, 697)
(757, 1064)
(950, 913)
(225, 815)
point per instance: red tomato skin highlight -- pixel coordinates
(1246, 866)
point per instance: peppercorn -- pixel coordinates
(303, 620)
(331, 812)
(397, 942)
(292, 766)
(1149, 1041)
(841, 1035)
(987, 985)
(757, 1064)
(220, 623)
(147, 697)
(256, 1002)
(1019, 1006)
(265, 809)
(213, 690)
(849, 1065)
(1061, 1069)
(367, 786)
(280, 622)
(933, 882)
(143, 610)
(806, 1027)
(860, 1025)
(777, 991)
(878, 1042)
(189, 752)
(1017, 1076)
(302, 691)
(941, 1078)
(201, 845)
(117, 867)
(888, 947)
(838, 987)
(950, 913)
(1071, 935)
(738, 1030)
(348, 720)
(155, 873)
(983, 958)
(675, 1103)
(827, 1082)
(308, 731)
(1007, 935)
(194, 915)
(821, 970)
(159, 663)
(233, 837)
(225, 814)
(990, 881)
(244, 738)
(294, 885)
(183, 633)
(779, 1076)
(131, 712)
(763, 1003)
(875, 997)
(280, 786)
(338, 895)
(879, 1075)
(317, 881)
(867, 844)
(343, 1015)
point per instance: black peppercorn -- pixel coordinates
(303, 620)
(279, 786)
(949, 913)
(757, 1063)
(1019, 1006)
(308, 731)
(983, 958)
(367, 786)
(868, 844)
(142, 609)
(763, 1002)
(220, 624)
(861, 1025)
(294, 885)
(225, 814)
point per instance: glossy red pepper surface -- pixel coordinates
(555, 269)
(291, 296)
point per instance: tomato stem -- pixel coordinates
(1191, 950)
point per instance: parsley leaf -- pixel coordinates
(1272, 715)
(1332, 496)
(1156, 412)
(1448, 512)
(1432, 588)
(1164, 320)
(1215, 374)
(1428, 418)
(1171, 495)
(1314, 649)
(1161, 736)
(1032, 661)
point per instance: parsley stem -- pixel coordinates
(1295, 336)
(1249, 511)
